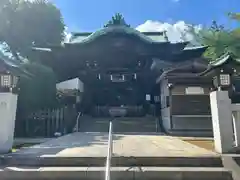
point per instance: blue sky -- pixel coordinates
(89, 15)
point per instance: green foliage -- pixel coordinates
(117, 20)
(235, 16)
(37, 92)
(220, 40)
(24, 24)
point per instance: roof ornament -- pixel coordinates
(117, 20)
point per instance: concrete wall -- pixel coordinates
(187, 112)
(165, 111)
(226, 122)
(8, 106)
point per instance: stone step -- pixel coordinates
(126, 124)
(97, 173)
(123, 122)
(52, 160)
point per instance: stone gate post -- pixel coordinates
(8, 106)
(222, 121)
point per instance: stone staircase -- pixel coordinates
(142, 156)
(135, 157)
(123, 124)
(127, 168)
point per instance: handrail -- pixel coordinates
(109, 152)
(156, 124)
(77, 122)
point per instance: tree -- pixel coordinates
(219, 39)
(24, 24)
(235, 16)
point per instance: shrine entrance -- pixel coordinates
(119, 67)
(125, 90)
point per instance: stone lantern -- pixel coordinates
(222, 71)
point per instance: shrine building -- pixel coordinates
(142, 72)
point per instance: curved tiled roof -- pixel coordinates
(7, 61)
(113, 29)
(224, 58)
(13, 66)
(219, 62)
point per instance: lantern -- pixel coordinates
(8, 81)
(222, 80)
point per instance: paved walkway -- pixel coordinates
(83, 144)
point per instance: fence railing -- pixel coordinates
(48, 122)
(109, 153)
(77, 125)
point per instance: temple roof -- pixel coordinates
(115, 46)
(188, 53)
(185, 69)
(8, 64)
(7, 61)
(224, 59)
(148, 37)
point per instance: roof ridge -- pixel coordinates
(102, 31)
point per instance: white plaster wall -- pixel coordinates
(221, 109)
(165, 112)
(8, 106)
(71, 84)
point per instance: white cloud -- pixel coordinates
(175, 32)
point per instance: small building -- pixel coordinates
(185, 88)
(185, 103)
(10, 70)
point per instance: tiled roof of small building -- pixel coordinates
(7, 61)
(223, 59)
(8, 64)
(227, 57)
